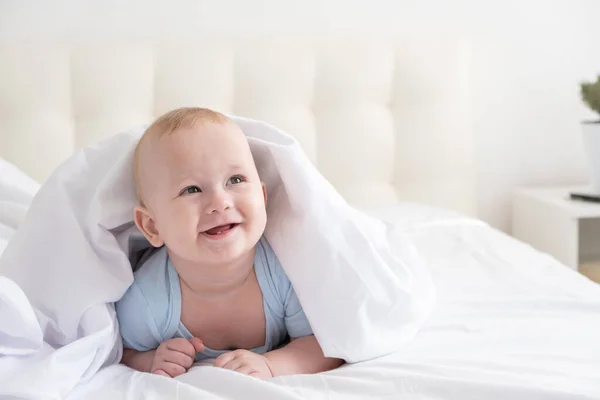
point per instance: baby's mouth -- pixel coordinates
(218, 230)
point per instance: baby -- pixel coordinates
(211, 287)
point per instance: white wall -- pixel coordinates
(529, 57)
(529, 63)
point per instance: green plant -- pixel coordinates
(590, 94)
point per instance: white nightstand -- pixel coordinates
(569, 230)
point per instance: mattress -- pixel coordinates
(511, 322)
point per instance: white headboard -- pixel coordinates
(385, 119)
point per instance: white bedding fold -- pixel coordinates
(16, 192)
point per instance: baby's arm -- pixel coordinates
(301, 356)
(138, 360)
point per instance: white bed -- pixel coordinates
(390, 128)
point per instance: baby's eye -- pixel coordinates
(191, 190)
(236, 179)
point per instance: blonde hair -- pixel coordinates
(170, 122)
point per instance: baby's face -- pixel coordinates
(204, 194)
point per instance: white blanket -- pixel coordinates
(364, 289)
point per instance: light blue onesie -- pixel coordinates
(150, 311)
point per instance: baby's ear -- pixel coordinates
(146, 225)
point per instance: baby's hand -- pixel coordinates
(175, 356)
(246, 362)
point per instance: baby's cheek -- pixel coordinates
(259, 216)
(253, 209)
(179, 221)
(254, 199)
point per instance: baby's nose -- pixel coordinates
(220, 202)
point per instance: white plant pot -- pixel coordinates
(591, 143)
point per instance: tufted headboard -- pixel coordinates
(385, 119)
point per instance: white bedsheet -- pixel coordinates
(511, 323)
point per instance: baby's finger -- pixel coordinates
(224, 359)
(235, 364)
(161, 372)
(172, 369)
(179, 358)
(246, 370)
(198, 344)
(182, 345)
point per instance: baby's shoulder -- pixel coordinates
(267, 261)
(266, 257)
(151, 267)
(144, 311)
(151, 281)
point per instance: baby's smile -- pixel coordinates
(220, 231)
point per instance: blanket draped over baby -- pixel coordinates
(364, 289)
